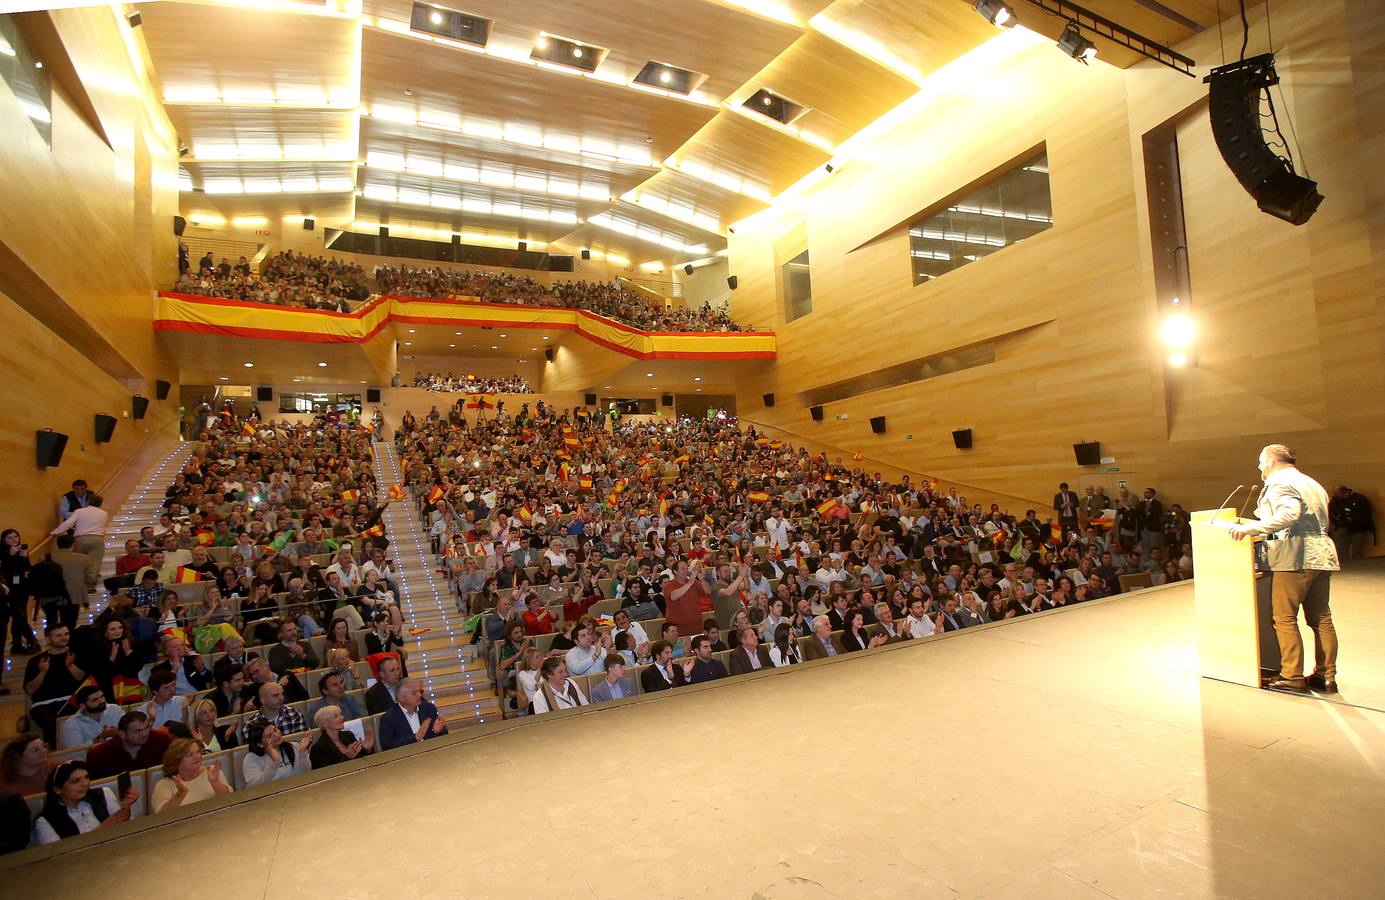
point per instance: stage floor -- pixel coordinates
(1072, 755)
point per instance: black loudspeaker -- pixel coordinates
(548, 354)
(1088, 454)
(667, 399)
(50, 445)
(372, 395)
(309, 224)
(179, 225)
(139, 406)
(961, 438)
(384, 232)
(264, 393)
(769, 399)
(816, 412)
(105, 427)
(523, 246)
(161, 389)
(732, 282)
(588, 399)
(687, 270)
(1233, 101)
(586, 254)
(877, 424)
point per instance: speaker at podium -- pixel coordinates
(1235, 632)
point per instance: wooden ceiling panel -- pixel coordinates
(924, 36)
(725, 43)
(472, 87)
(759, 154)
(251, 54)
(334, 208)
(674, 187)
(406, 183)
(858, 92)
(211, 131)
(440, 223)
(206, 359)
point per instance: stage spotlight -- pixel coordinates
(1178, 330)
(435, 17)
(1178, 359)
(997, 13)
(1075, 45)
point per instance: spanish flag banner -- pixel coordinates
(857, 456)
(396, 492)
(682, 459)
(564, 472)
(827, 507)
(758, 496)
(776, 445)
(248, 429)
(205, 538)
(1055, 531)
(374, 531)
(184, 575)
(585, 482)
(435, 494)
(663, 506)
(526, 515)
(350, 496)
(572, 441)
(481, 403)
(708, 519)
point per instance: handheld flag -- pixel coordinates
(350, 496)
(827, 507)
(525, 514)
(374, 531)
(857, 456)
(663, 506)
(397, 492)
(572, 441)
(682, 459)
(247, 429)
(415, 632)
(282, 540)
(435, 494)
(205, 538)
(1055, 531)
(758, 496)
(184, 575)
(585, 482)
(564, 472)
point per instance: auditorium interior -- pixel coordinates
(392, 385)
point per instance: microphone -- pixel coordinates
(1226, 501)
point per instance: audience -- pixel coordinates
(472, 384)
(286, 279)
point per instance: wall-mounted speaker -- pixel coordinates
(139, 406)
(688, 270)
(961, 438)
(179, 225)
(372, 395)
(161, 389)
(667, 399)
(264, 393)
(769, 399)
(1088, 454)
(523, 246)
(586, 254)
(1233, 102)
(384, 232)
(105, 428)
(877, 424)
(309, 224)
(548, 354)
(588, 399)
(732, 282)
(50, 445)
(816, 412)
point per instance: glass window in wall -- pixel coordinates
(1011, 207)
(27, 78)
(798, 288)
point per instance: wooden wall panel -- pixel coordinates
(580, 365)
(1291, 317)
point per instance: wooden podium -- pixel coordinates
(1235, 633)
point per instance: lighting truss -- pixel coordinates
(1087, 20)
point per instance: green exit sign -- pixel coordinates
(1107, 470)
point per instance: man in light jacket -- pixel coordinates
(1292, 515)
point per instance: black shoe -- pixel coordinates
(1322, 684)
(1289, 685)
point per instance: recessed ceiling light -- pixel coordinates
(435, 17)
(408, 343)
(38, 64)
(457, 333)
(322, 365)
(408, 93)
(533, 348)
(503, 334)
(699, 390)
(412, 330)
(225, 378)
(698, 378)
(451, 345)
(297, 379)
(766, 100)
(541, 42)
(362, 382)
(493, 347)
(249, 365)
(665, 76)
(545, 338)
(648, 374)
(606, 388)
(577, 52)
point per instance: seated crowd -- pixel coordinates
(472, 384)
(606, 299)
(564, 537)
(285, 279)
(259, 607)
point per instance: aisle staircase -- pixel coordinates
(142, 507)
(453, 675)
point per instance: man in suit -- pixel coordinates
(701, 666)
(1151, 513)
(380, 697)
(820, 645)
(411, 720)
(837, 614)
(663, 674)
(1292, 514)
(615, 686)
(749, 656)
(949, 616)
(290, 652)
(1065, 505)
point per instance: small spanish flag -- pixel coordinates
(682, 459)
(758, 496)
(415, 632)
(480, 403)
(585, 482)
(763, 441)
(826, 507)
(857, 456)
(435, 494)
(350, 496)
(561, 454)
(663, 506)
(564, 472)
(572, 441)
(397, 492)
(374, 531)
(776, 445)
(248, 429)
(205, 538)
(184, 575)
(1055, 531)
(525, 514)
(933, 482)
(707, 518)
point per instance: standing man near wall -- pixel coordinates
(1292, 513)
(1352, 522)
(88, 527)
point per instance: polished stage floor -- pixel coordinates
(1071, 755)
